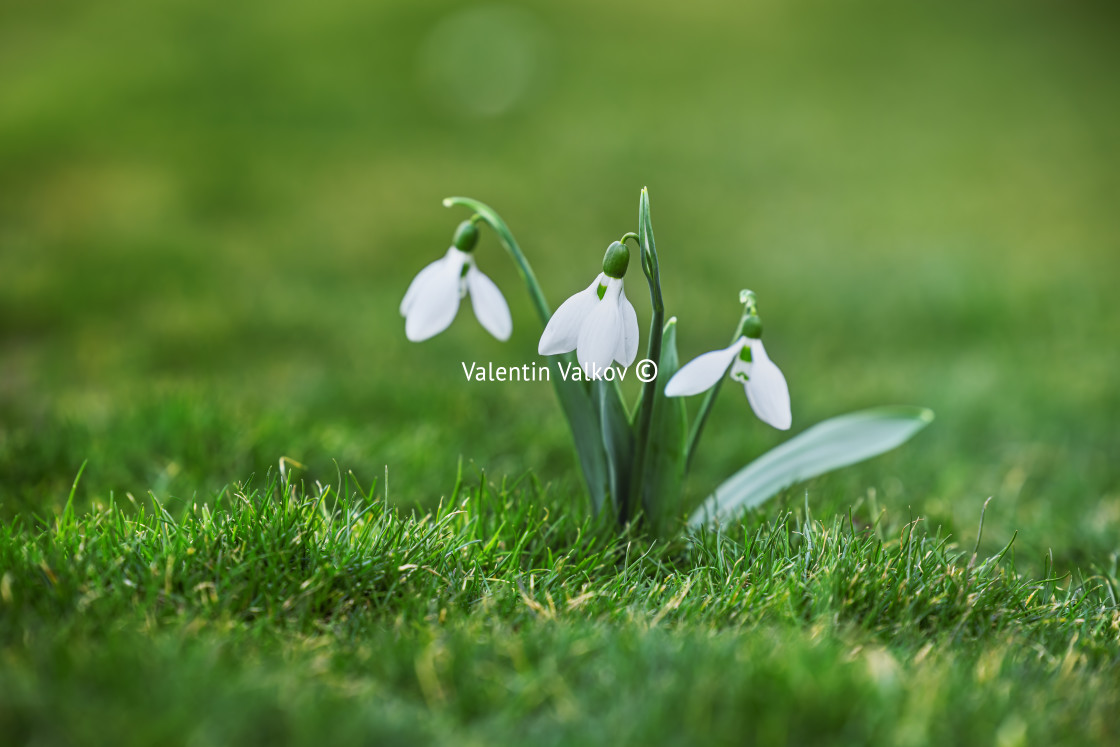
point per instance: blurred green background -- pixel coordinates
(209, 213)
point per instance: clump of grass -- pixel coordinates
(282, 554)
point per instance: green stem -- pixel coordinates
(487, 213)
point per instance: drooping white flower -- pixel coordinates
(432, 299)
(599, 323)
(748, 362)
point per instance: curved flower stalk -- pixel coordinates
(745, 361)
(432, 299)
(599, 323)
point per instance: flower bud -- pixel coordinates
(616, 260)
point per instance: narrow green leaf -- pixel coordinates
(644, 414)
(663, 472)
(834, 443)
(583, 421)
(618, 444)
(645, 225)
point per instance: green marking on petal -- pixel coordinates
(601, 290)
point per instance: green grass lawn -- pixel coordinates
(209, 214)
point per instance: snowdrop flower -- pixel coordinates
(598, 322)
(763, 381)
(433, 297)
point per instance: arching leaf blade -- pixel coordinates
(831, 444)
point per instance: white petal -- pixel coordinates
(489, 304)
(561, 334)
(435, 303)
(767, 390)
(628, 345)
(702, 372)
(418, 282)
(601, 332)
